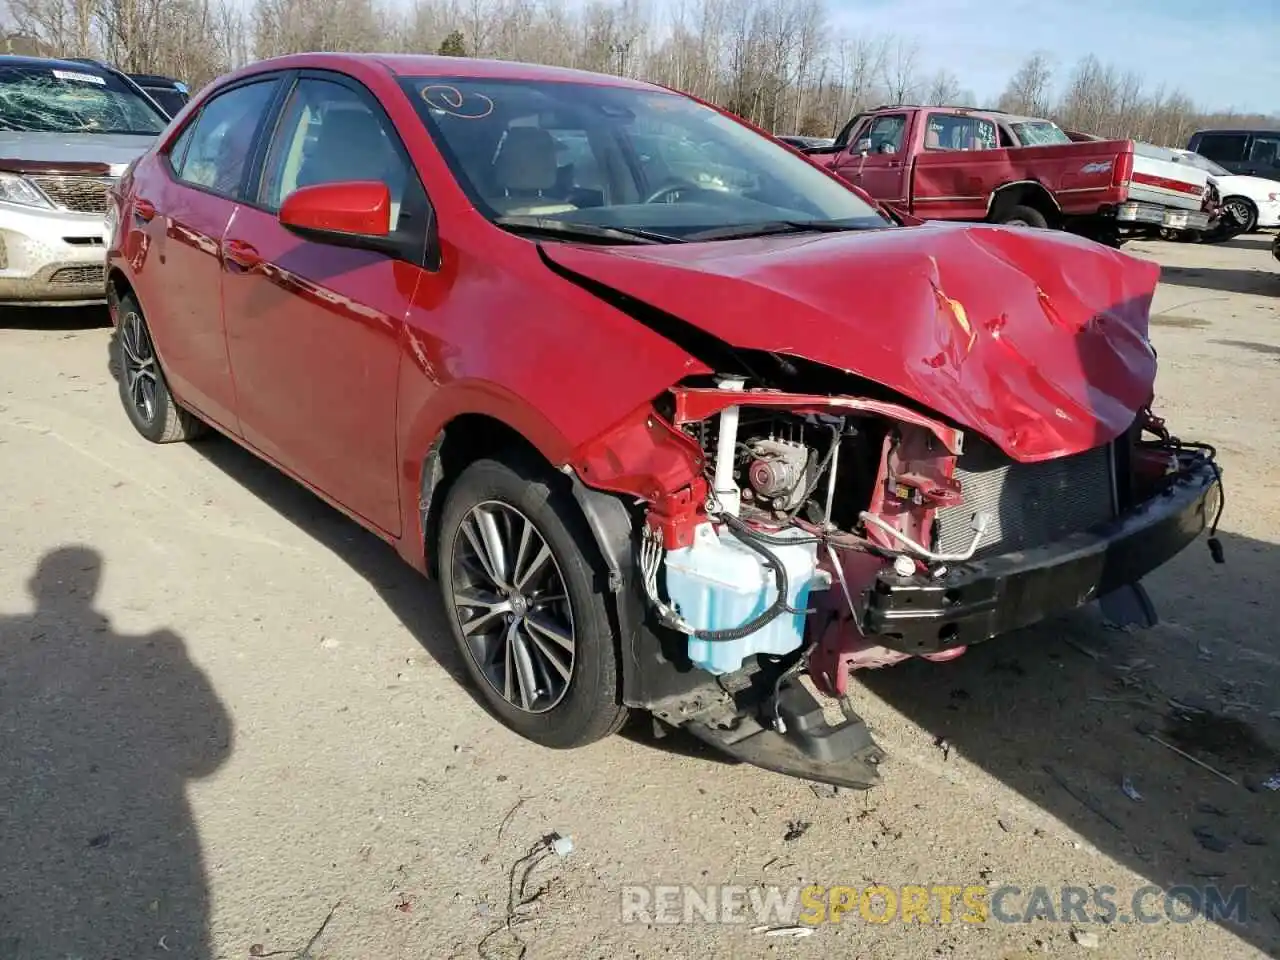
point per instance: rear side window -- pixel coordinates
(216, 148)
(950, 131)
(1265, 150)
(1223, 147)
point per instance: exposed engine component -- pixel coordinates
(778, 472)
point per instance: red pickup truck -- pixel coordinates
(946, 163)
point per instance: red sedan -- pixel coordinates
(673, 414)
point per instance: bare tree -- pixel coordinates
(901, 70)
(776, 62)
(1030, 89)
(943, 90)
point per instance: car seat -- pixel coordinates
(525, 174)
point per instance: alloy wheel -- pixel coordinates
(1240, 212)
(512, 606)
(138, 366)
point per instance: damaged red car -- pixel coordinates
(675, 416)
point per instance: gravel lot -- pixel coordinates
(227, 714)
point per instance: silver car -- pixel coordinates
(68, 130)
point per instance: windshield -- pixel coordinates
(1039, 133)
(53, 99)
(1204, 163)
(627, 159)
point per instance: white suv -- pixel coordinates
(68, 129)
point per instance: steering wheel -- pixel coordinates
(671, 190)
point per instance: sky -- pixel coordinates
(1221, 53)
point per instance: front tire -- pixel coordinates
(520, 577)
(1244, 213)
(144, 392)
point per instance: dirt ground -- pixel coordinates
(228, 715)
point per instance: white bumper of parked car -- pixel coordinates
(51, 256)
(1269, 213)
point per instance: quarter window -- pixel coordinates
(222, 139)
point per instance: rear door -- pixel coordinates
(183, 210)
(313, 329)
(882, 170)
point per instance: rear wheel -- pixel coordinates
(143, 390)
(519, 574)
(1021, 216)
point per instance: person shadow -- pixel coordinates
(100, 733)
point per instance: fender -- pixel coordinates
(1041, 188)
(421, 437)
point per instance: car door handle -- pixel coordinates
(242, 254)
(144, 210)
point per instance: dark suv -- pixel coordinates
(1255, 153)
(172, 95)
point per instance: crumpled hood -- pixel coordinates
(1036, 340)
(116, 150)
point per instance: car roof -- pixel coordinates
(1237, 130)
(153, 80)
(424, 65)
(10, 60)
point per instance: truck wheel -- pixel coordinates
(1020, 216)
(143, 389)
(519, 573)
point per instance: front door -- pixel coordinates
(313, 329)
(882, 169)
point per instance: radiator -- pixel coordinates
(1030, 504)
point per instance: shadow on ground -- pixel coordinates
(53, 318)
(412, 598)
(1265, 281)
(1054, 712)
(99, 734)
(1253, 241)
(1253, 346)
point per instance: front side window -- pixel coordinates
(329, 134)
(621, 158)
(218, 148)
(60, 99)
(886, 133)
(1223, 147)
(952, 131)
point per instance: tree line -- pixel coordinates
(778, 63)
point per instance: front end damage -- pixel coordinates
(780, 541)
